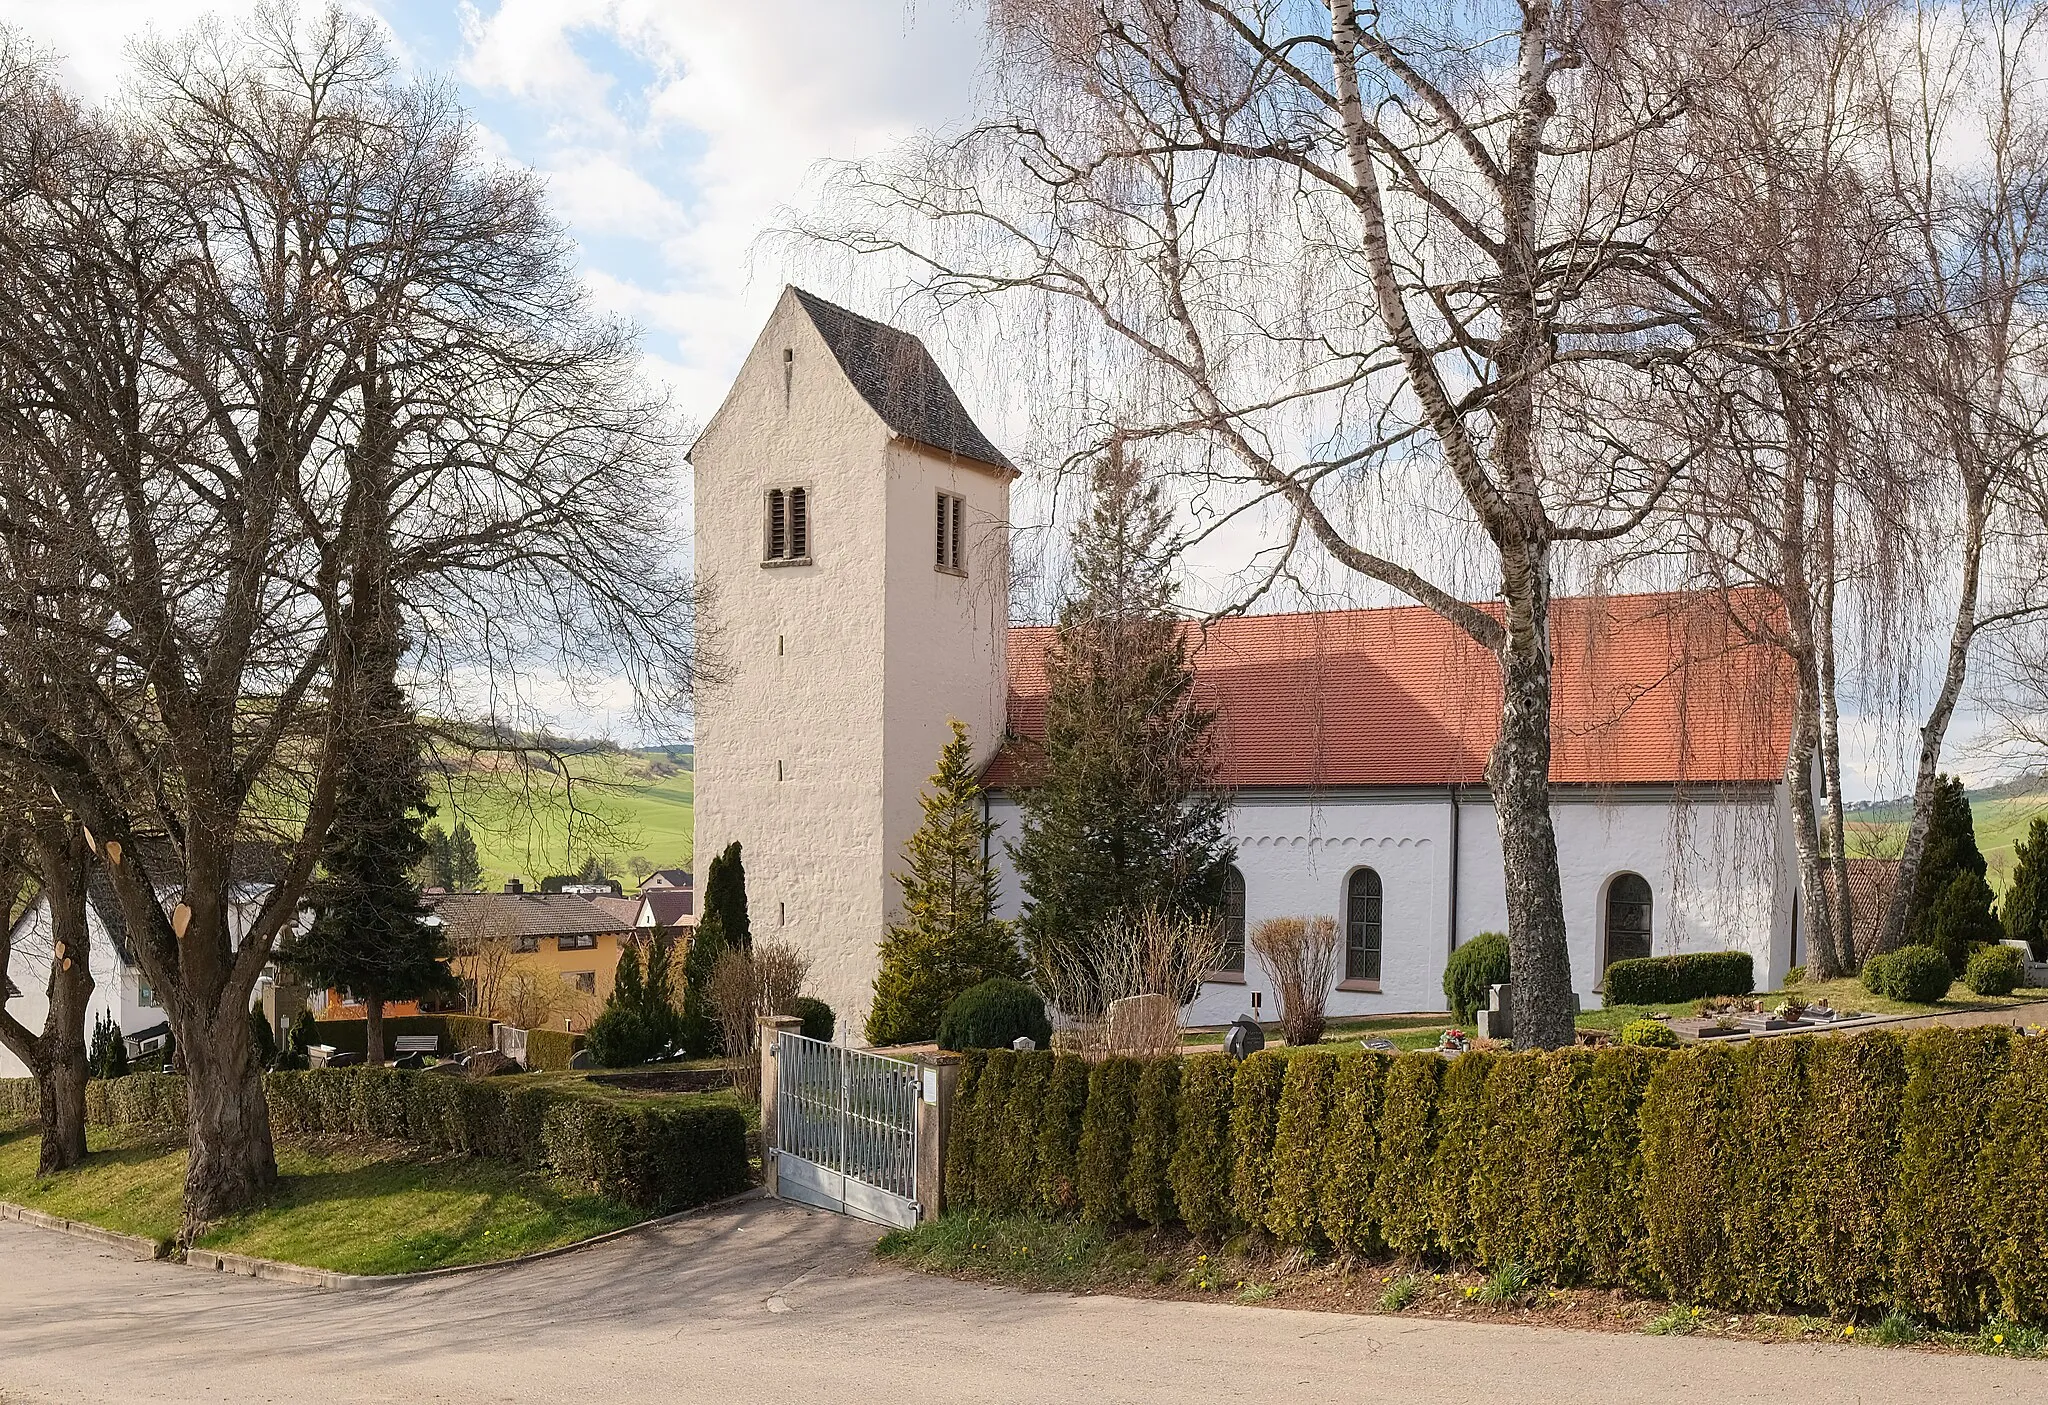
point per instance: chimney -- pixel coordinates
(513, 885)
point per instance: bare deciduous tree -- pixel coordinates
(1301, 952)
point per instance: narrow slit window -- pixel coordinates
(950, 527)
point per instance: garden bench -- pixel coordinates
(417, 1044)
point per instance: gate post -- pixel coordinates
(770, 1027)
(938, 1078)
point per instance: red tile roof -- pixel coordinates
(1647, 689)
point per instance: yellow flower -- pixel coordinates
(1850, 1330)
(1469, 1292)
(1998, 1339)
(1695, 1312)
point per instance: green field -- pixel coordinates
(2000, 813)
(628, 809)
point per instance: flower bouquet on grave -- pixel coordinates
(1453, 1041)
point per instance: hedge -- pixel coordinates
(660, 1155)
(550, 1049)
(1668, 980)
(457, 1033)
(1867, 1173)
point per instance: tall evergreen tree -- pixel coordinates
(2024, 913)
(465, 871)
(1951, 903)
(721, 923)
(949, 938)
(1122, 814)
(439, 871)
(370, 933)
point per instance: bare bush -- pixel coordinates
(1301, 952)
(745, 985)
(1152, 953)
(527, 999)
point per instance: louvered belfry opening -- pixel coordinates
(799, 524)
(778, 525)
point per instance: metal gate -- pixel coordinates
(846, 1130)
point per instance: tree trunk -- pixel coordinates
(1518, 775)
(227, 1121)
(373, 1029)
(1934, 732)
(60, 1084)
(56, 1058)
(1835, 839)
(1823, 959)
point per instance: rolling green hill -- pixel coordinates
(2001, 814)
(630, 809)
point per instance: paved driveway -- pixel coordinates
(764, 1302)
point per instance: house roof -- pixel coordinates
(669, 877)
(625, 910)
(1870, 892)
(901, 382)
(524, 914)
(669, 906)
(1646, 689)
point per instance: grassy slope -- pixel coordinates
(637, 806)
(350, 1207)
(2001, 821)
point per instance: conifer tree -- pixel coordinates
(1121, 814)
(437, 871)
(1951, 904)
(721, 923)
(370, 933)
(2024, 912)
(949, 938)
(465, 871)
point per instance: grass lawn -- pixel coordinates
(1030, 1252)
(1847, 994)
(628, 804)
(352, 1207)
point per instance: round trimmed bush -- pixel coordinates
(993, 1015)
(819, 1021)
(1649, 1034)
(1473, 968)
(1915, 974)
(620, 1038)
(1994, 970)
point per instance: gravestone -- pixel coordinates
(1497, 1020)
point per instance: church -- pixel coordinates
(851, 544)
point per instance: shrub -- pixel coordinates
(1400, 1187)
(1301, 952)
(551, 1049)
(1767, 1205)
(1794, 975)
(1669, 980)
(1254, 1120)
(818, 1020)
(1917, 975)
(1875, 972)
(994, 1015)
(2013, 1184)
(620, 1037)
(1938, 1241)
(1059, 1136)
(1960, 920)
(1851, 1145)
(1691, 1135)
(1351, 1153)
(1473, 968)
(1994, 970)
(1300, 1132)
(1607, 1173)
(108, 1057)
(963, 1141)
(1106, 1139)
(992, 1099)
(1461, 1142)
(1148, 1185)
(261, 1040)
(1014, 1135)
(1201, 1166)
(1649, 1034)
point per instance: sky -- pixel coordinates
(672, 134)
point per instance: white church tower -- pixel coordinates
(851, 534)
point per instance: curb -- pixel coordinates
(136, 1244)
(275, 1271)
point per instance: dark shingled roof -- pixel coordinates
(898, 378)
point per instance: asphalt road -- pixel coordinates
(763, 1302)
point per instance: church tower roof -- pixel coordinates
(900, 381)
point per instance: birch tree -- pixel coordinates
(1356, 268)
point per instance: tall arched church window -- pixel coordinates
(1362, 904)
(1233, 922)
(1628, 918)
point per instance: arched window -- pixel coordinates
(1362, 898)
(1628, 918)
(1233, 922)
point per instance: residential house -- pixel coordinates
(667, 907)
(568, 939)
(663, 879)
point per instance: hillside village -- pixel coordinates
(1259, 680)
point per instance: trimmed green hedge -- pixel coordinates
(457, 1033)
(662, 1155)
(549, 1050)
(1868, 1173)
(1669, 980)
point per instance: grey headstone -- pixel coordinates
(1024, 1044)
(581, 1059)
